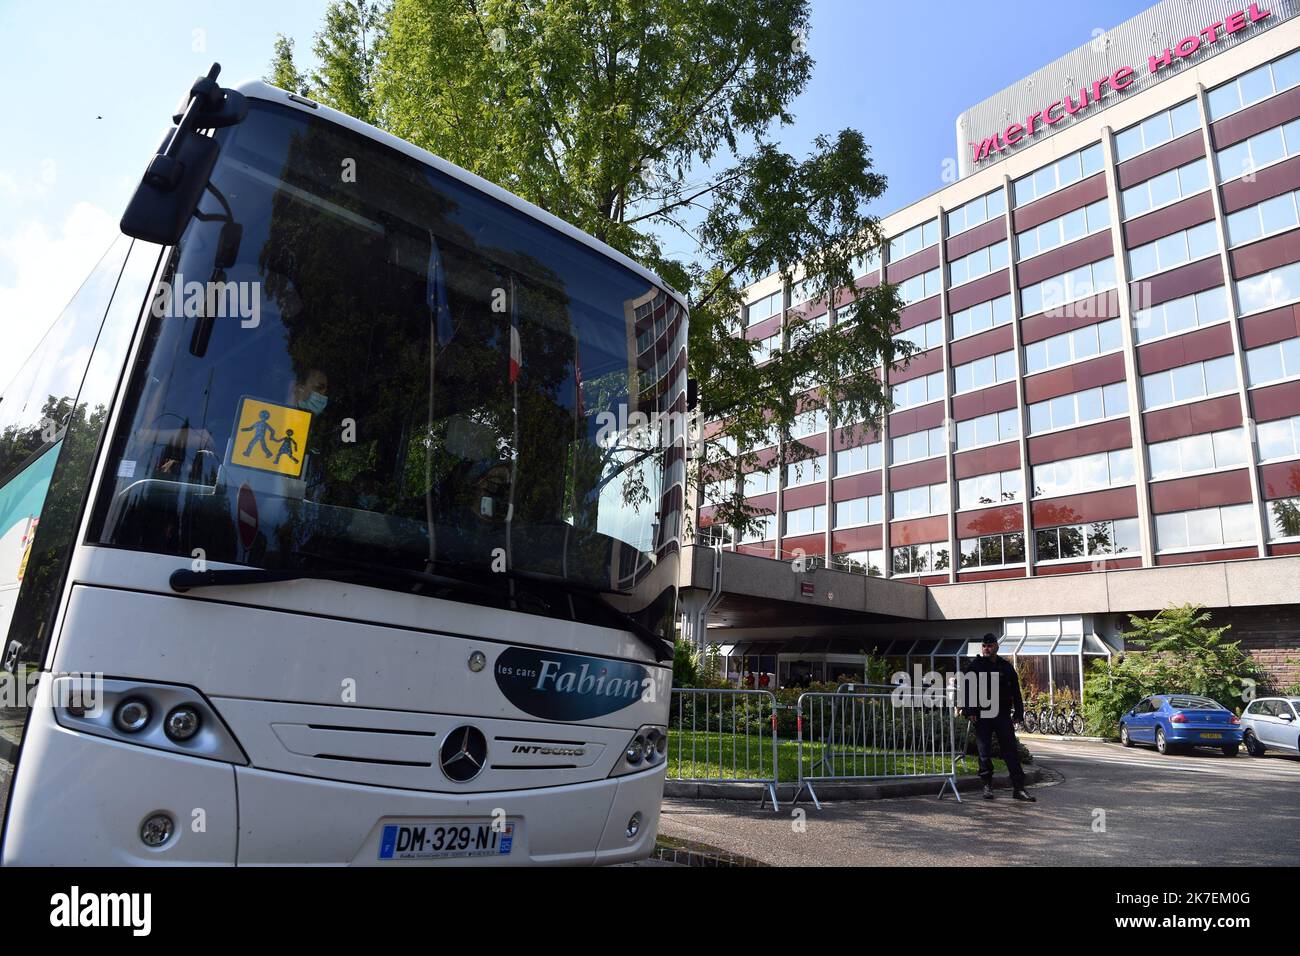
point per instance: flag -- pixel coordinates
(435, 285)
(516, 358)
(577, 378)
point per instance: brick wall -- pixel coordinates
(1271, 635)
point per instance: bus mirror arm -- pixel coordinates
(169, 191)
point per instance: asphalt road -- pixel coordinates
(1103, 804)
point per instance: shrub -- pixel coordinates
(1179, 653)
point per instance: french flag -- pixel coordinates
(516, 353)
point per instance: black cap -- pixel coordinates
(989, 639)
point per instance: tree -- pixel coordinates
(345, 54)
(637, 121)
(284, 73)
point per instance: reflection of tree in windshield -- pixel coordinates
(389, 299)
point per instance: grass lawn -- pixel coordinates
(715, 756)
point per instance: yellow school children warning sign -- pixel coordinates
(270, 437)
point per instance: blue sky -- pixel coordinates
(90, 91)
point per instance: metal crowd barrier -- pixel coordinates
(723, 736)
(905, 733)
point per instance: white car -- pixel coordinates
(1272, 723)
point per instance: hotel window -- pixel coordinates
(1069, 476)
(914, 240)
(1069, 169)
(1283, 519)
(801, 292)
(765, 348)
(917, 445)
(859, 511)
(764, 308)
(920, 502)
(719, 491)
(918, 391)
(862, 458)
(764, 530)
(1193, 454)
(977, 211)
(1278, 439)
(1263, 219)
(1154, 130)
(801, 329)
(983, 372)
(1185, 382)
(920, 558)
(1057, 232)
(1263, 149)
(760, 482)
(980, 317)
(812, 422)
(1268, 290)
(864, 265)
(998, 488)
(870, 563)
(1077, 408)
(805, 520)
(726, 447)
(988, 429)
(1274, 362)
(805, 472)
(981, 262)
(1078, 283)
(920, 287)
(1179, 315)
(1084, 343)
(1072, 541)
(1205, 528)
(1166, 188)
(1175, 250)
(1259, 84)
(924, 337)
(993, 550)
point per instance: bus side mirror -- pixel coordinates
(170, 190)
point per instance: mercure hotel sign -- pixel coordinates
(1116, 82)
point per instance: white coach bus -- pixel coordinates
(317, 543)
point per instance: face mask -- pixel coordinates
(315, 403)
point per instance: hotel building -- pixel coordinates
(1103, 413)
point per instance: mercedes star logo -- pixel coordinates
(463, 753)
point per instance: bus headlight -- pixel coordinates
(645, 751)
(182, 723)
(124, 710)
(652, 741)
(132, 715)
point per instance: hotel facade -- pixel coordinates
(1105, 396)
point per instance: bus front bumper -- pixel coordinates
(95, 795)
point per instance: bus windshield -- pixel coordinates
(353, 356)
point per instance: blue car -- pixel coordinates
(1171, 721)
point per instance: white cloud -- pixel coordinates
(40, 271)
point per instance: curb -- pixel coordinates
(837, 791)
(1073, 737)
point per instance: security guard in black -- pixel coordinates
(994, 705)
